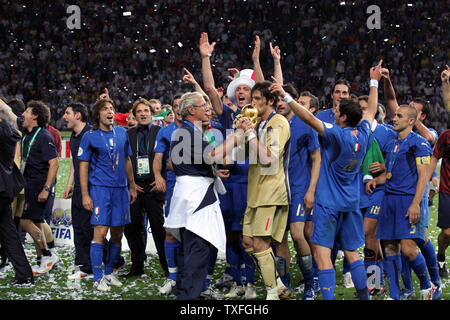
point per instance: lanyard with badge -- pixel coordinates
(113, 156)
(143, 163)
(23, 163)
(395, 154)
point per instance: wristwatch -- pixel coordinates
(47, 188)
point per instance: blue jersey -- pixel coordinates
(383, 133)
(303, 141)
(106, 152)
(401, 157)
(162, 145)
(326, 115)
(342, 155)
(239, 172)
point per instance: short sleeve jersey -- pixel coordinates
(402, 157)
(442, 151)
(162, 145)
(326, 115)
(37, 152)
(239, 172)
(187, 149)
(383, 133)
(106, 152)
(269, 185)
(342, 155)
(303, 141)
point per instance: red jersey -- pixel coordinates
(56, 137)
(442, 150)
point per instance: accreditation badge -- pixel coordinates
(23, 163)
(143, 165)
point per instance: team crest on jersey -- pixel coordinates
(396, 148)
(328, 125)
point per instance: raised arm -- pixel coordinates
(389, 92)
(206, 50)
(189, 78)
(259, 76)
(375, 76)
(303, 113)
(445, 75)
(277, 72)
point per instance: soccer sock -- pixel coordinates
(114, 252)
(380, 264)
(419, 266)
(392, 265)
(327, 282)
(406, 273)
(171, 252)
(305, 264)
(281, 268)
(234, 261)
(359, 278)
(250, 265)
(315, 268)
(97, 260)
(345, 267)
(429, 254)
(266, 262)
(441, 259)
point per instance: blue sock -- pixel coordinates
(429, 254)
(380, 264)
(359, 278)
(171, 251)
(113, 255)
(419, 266)
(327, 281)
(306, 267)
(393, 265)
(234, 260)
(96, 253)
(250, 266)
(406, 273)
(315, 269)
(346, 266)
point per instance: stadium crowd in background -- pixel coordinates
(140, 57)
(143, 54)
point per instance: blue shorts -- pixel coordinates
(111, 206)
(297, 211)
(393, 224)
(233, 205)
(344, 228)
(373, 210)
(169, 192)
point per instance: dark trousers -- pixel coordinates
(137, 235)
(193, 258)
(83, 233)
(10, 241)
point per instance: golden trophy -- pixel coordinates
(249, 112)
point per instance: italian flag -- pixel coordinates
(357, 145)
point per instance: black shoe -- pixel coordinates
(23, 281)
(134, 271)
(4, 263)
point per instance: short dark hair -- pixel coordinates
(314, 102)
(141, 101)
(39, 109)
(98, 105)
(263, 87)
(81, 108)
(341, 81)
(289, 88)
(424, 103)
(352, 109)
(364, 97)
(17, 106)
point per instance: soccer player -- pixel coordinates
(336, 210)
(401, 222)
(268, 185)
(233, 203)
(105, 171)
(39, 166)
(426, 247)
(341, 90)
(304, 153)
(165, 182)
(76, 116)
(442, 151)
